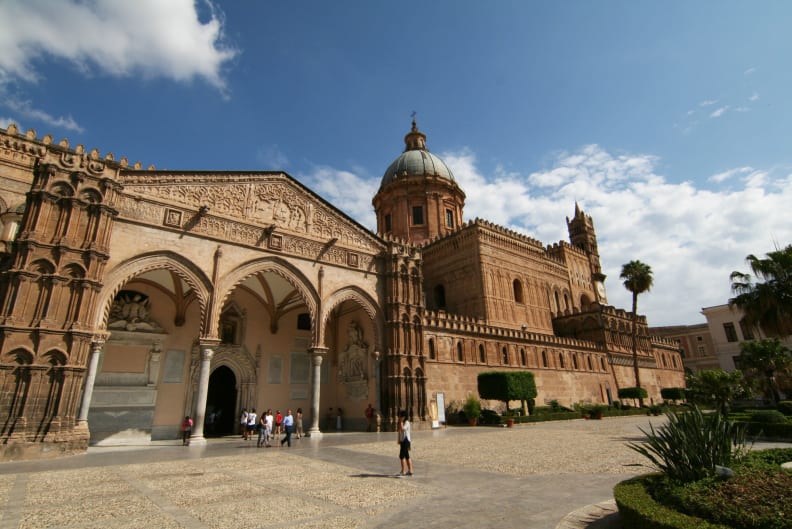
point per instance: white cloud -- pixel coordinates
(749, 71)
(5, 122)
(726, 175)
(753, 97)
(272, 157)
(692, 237)
(718, 112)
(145, 37)
(25, 108)
(346, 190)
(708, 102)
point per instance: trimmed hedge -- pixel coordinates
(785, 407)
(769, 430)
(672, 393)
(633, 393)
(637, 508)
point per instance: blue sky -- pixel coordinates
(669, 122)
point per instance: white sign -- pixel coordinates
(441, 418)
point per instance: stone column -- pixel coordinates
(97, 346)
(207, 351)
(317, 355)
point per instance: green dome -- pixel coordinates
(416, 160)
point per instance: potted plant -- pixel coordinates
(472, 409)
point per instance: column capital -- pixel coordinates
(319, 350)
(98, 341)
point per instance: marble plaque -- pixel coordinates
(173, 372)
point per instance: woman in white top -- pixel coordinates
(404, 444)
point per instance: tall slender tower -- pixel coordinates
(583, 236)
(418, 199)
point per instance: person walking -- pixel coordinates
(268, 420)
(288, 423)
(278, 422)
(370, 418)
(404, 444)
(243, 423)
(186, 429)
(298, 422)
(262, 430)
(251, 423)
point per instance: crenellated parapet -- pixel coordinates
(24, 148)
(463, 325)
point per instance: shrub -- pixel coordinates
(691, 444)
(768, 416)
(655, 409)
(506, 386)
(472, 408)
(632, 393)
(637, 508)
(672, 393)
(785, 407)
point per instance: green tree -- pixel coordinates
(506, 386)
(765, 295)
(763, 360)
(637, 279)
(716, 387)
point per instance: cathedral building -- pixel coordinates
(132, 297)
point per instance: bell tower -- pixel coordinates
(418, 199)
(583, 236)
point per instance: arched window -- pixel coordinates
(518, 291)
(561, 360)
(591, 368)
(602, 363)
(566, 302)
(460, 354)
(523, 361)
(505, 354)
(544, 358)
(557, 302)
(574, 362)
(482, 354)
(673, 359)
(431, 349)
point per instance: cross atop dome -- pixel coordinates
(415, 140)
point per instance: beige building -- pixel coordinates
(728, 329)
(695, 344)
(130, 298)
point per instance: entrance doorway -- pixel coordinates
(221, 412)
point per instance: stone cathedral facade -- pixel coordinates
(132, 297)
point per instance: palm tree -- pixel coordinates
(764, 360)
(637, 279)
(766, 304)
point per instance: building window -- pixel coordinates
(602, 363)
(439, 297)
(702, 350)
(699, 338)
(544, 358)
(387, 223)
(591, 368)
(482, 354)
(518, 291)
(522, 357)
(746, 330)
(561, 360)
(731, 332)
(460, 355)
(417, 216)
(505, 356)
(431, 349)
(574, 361)
(449, 218)
(304, 321)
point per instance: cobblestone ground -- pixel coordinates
(345, 481)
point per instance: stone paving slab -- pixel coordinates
(535, 476)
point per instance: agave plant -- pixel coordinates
(692, 444)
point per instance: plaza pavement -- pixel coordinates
(537, 476)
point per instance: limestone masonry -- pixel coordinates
(131, 298)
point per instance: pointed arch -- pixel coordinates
(135, 266)
(276, 265)
(366, 302)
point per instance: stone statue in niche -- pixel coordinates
(131, 311)
(353, 362)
